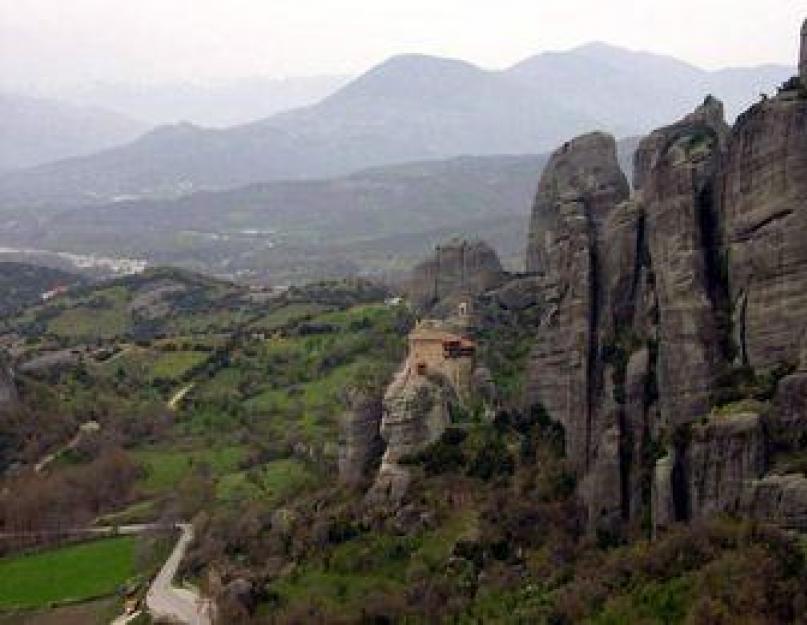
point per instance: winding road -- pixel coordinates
(166, 601)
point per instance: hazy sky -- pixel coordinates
(53, 41)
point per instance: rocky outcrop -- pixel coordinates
(415, 413)
(361, 445)
(764, 201)
(458, 268)
(663, 508)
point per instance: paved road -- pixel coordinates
(164, 600)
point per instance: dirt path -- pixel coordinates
(179, 395)
(84, 429)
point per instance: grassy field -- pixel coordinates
(166, 468)
(67, 574)
(108, 317)
(172, 365)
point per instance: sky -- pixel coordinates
(52, 42)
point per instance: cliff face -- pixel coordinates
(661, 308)
(763, 194)
(656, 300)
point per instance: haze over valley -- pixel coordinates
(408, 109)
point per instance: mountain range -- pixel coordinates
(410, 107)
(37, 130)
(215, 103)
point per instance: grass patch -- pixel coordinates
(288, 315)
(166, 468)
(270, 483)
(68, 574)
(83, 323)
(173, 365)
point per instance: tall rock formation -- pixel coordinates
(458, 269)
(764, 201)
(803, 54)
(579, 188)
(675, 175)
(662, 305)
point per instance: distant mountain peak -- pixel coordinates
(411, 75)
(179, 130)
